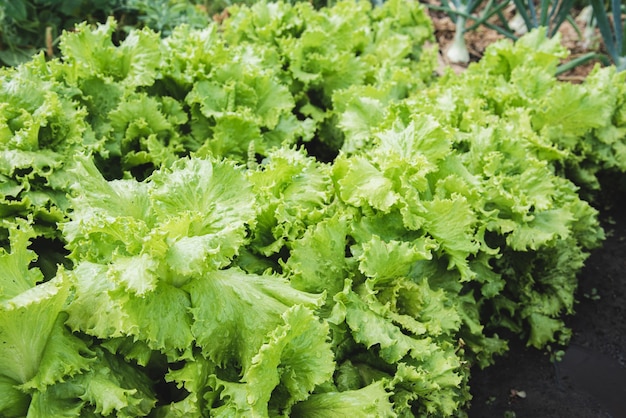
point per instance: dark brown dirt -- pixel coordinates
(590, 381)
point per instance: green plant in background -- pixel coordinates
(530, 15)
(29, 26)
(548, 13)
(458, 51)
(164, 15)
(552, 14)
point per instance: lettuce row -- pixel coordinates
(507, 153)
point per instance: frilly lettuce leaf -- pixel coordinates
(41, 127)
(213, 203)
(145, 132)
(372, 400)
(345, 46)
(360, 108)
(109, 387)
(264, 22)
(297, 356)
(294, 191)
(389, 260)
(182, 62)
(361, 183)
(238, 110)
(502, 59)
(395, 174)
(159, 318)
(36, 350)
(412, 327)
(92, 53)
(394, 344)
(28, 320)
(17, 276)
(134, 221)
(194, 377)
(153, 237)
(295, 359)
(113, 385)
(244, 308)
(317, 261)
(115, 214)
(421, 141)
(435, 383)
(451, 222)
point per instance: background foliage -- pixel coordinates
(29, 26)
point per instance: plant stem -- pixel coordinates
(458, 52)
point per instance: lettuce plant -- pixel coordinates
(287, 215)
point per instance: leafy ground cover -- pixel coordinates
(186, 217)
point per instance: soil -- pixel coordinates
(590, 380)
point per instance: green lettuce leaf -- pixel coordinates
(159, 318)
(211, 217)
(294, 192)
(35, 347)
(372, 400)
(113, 386)
(361, 183)
(295, 359)
(194, 377)
(243, 309)
(92, 53)
(317, 261)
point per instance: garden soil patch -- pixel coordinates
(590, 381)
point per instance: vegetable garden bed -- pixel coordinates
(290, 213)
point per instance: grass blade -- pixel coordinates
(521, 10)
(572, 22)
(543, 17)
(605, 28)
(553, 9)
(501, 31)
(533, 13)
(562, 14)
(503, 22)
(472, 5)
(489, 12)
(581, 60)
(617, 26)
